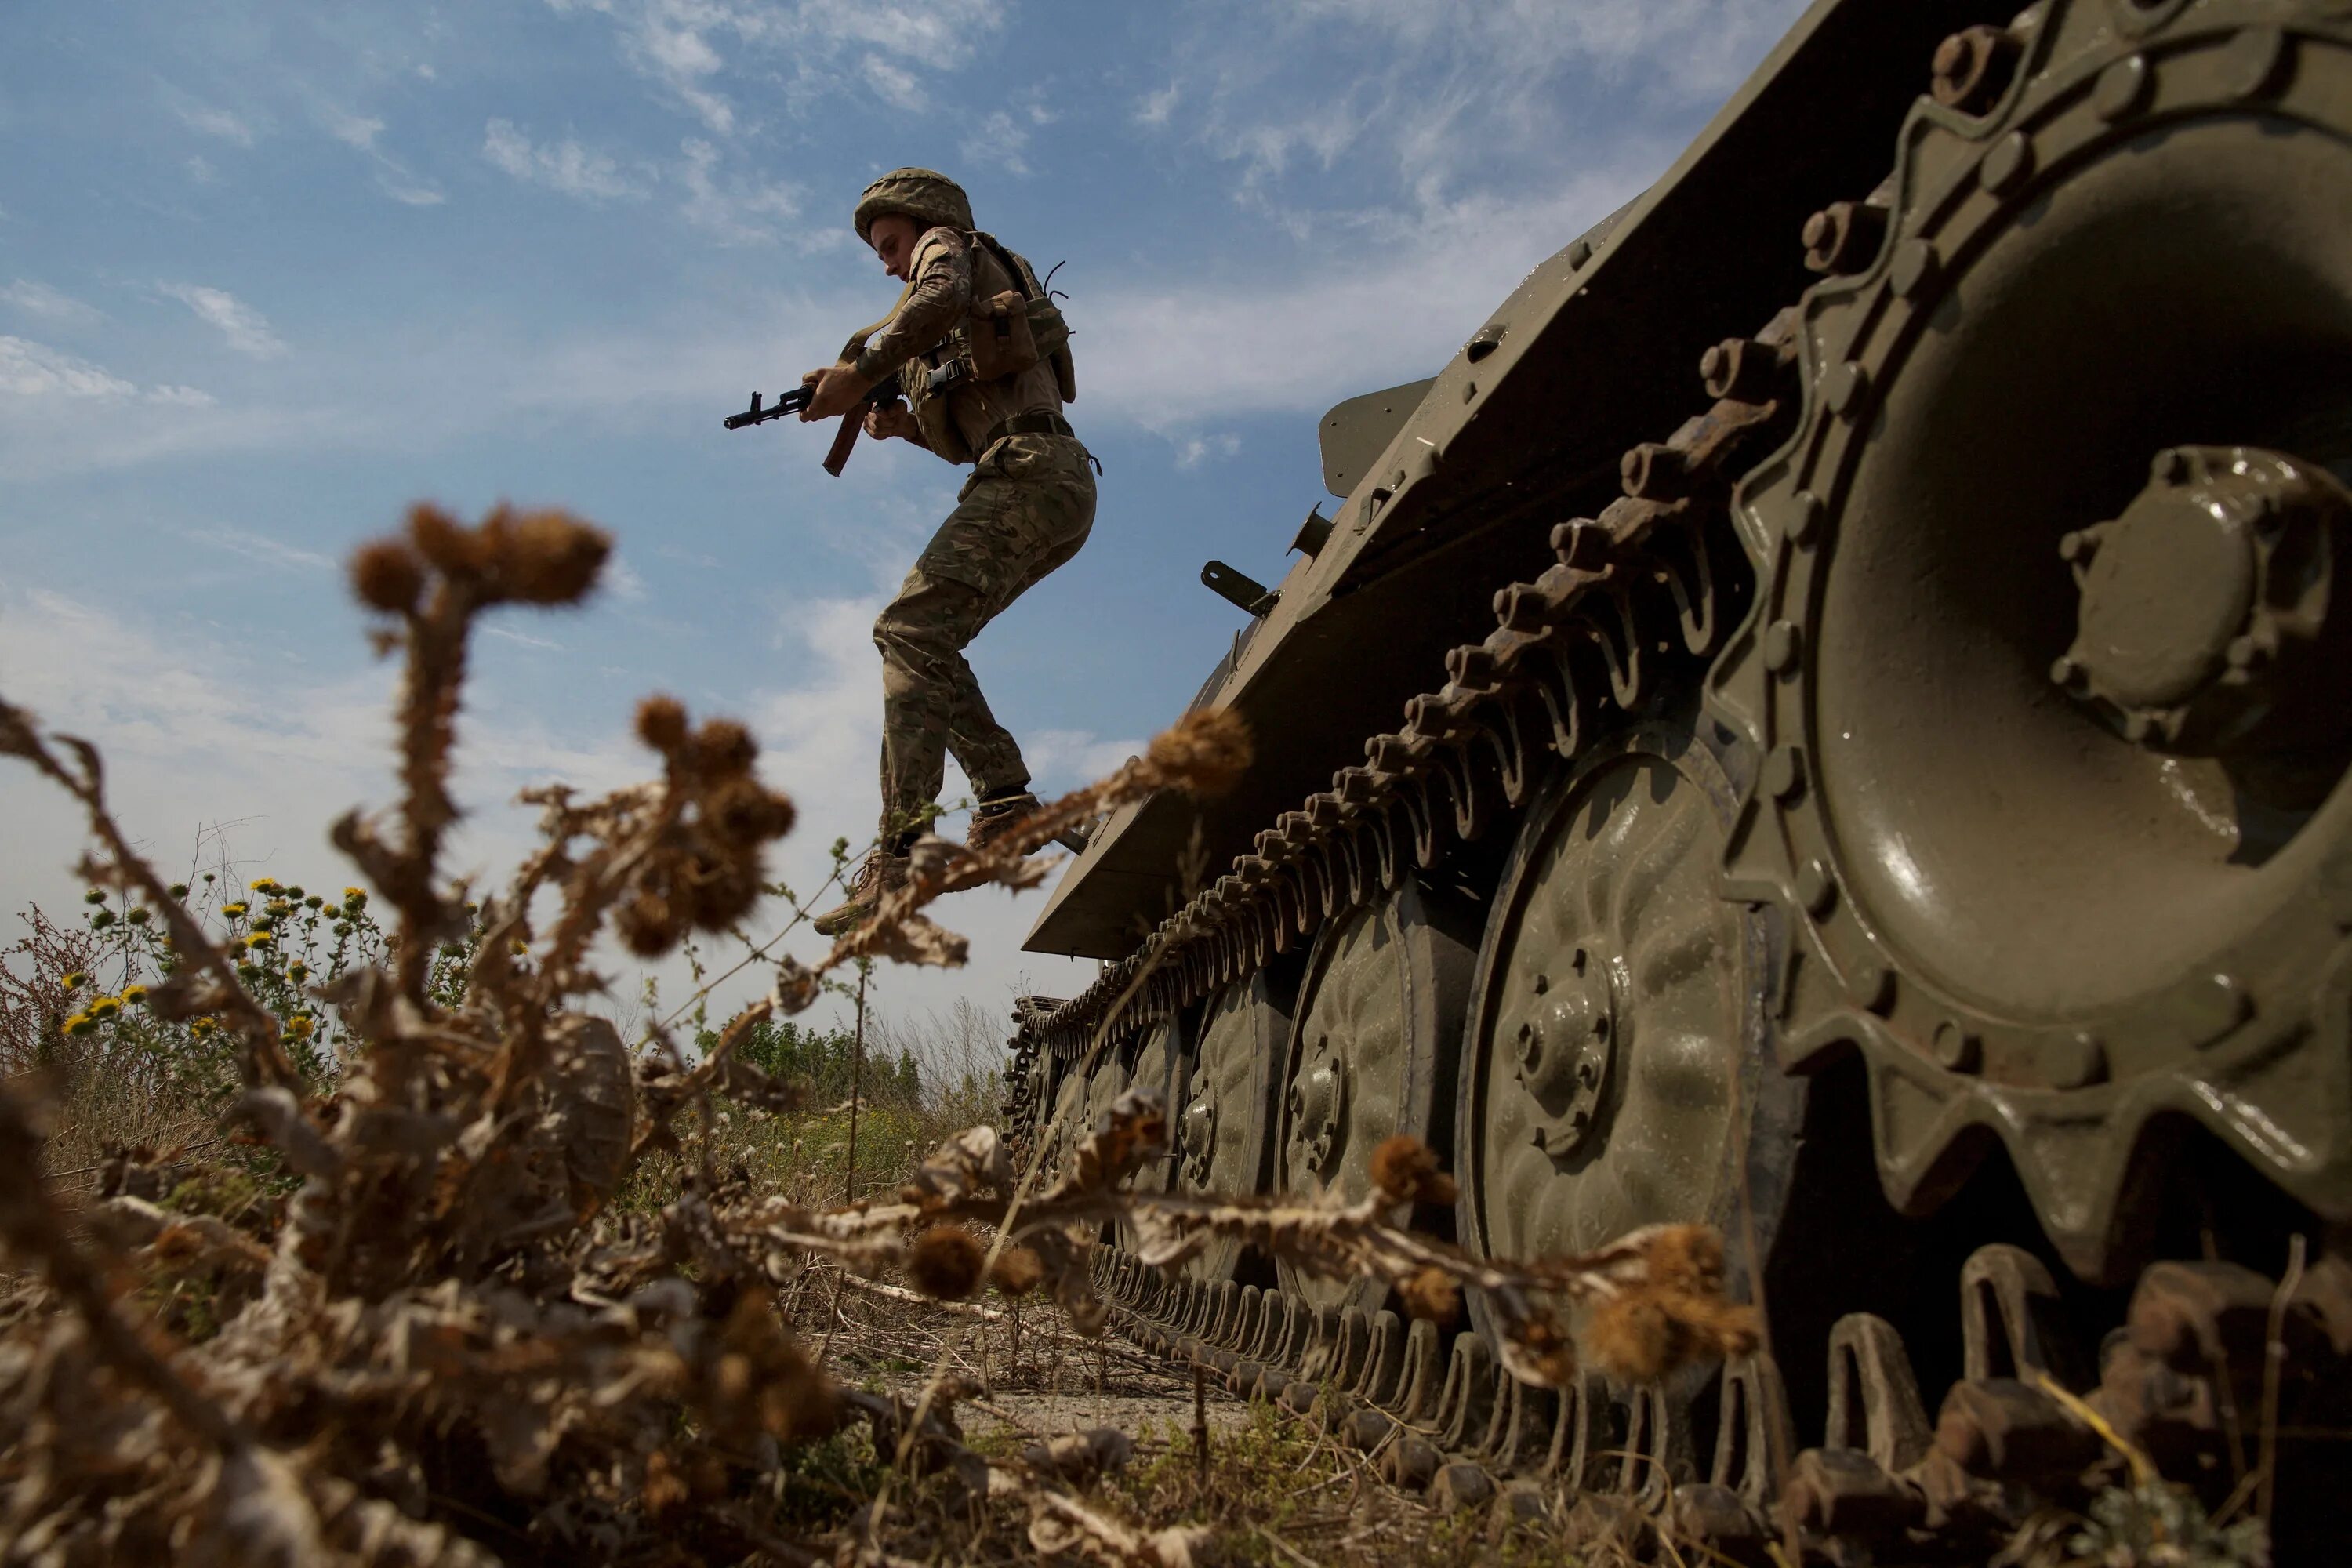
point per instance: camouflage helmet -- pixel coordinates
(931, 198)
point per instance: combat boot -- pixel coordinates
(882, 872)
(993, 819)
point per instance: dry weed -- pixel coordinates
(443, 1343)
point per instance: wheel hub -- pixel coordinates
(1318, 1098)
(2050, 919)
(1564, 1051)
(1609, 1034)
(2210, 584)
(1196, 1137)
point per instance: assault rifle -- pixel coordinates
(884, 394)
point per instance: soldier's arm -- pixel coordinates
(941, 300)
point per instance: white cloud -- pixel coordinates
(358, 130)
(263, 548)
(1298, 343)
(1191, 452)
(246, 328)
(998, 142)
(1440, 95)
(407, 190)
(1157, 107)
(731, 208)
(362, 132)
(622, 581)
(36, 370)
(565, 166)
(28, 369)
(35, 298)
(508, 634)
(1076, 756)
(892, 84)
(217, 123)
(705, 55)
(200, 727)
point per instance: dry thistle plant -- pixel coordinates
(442, 1348)
(439, 1350)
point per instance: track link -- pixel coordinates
(2215, 1364)
(2183, 1383)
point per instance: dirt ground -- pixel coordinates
(1274, 1491)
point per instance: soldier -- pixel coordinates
(982, 355)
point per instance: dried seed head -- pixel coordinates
(1644, 1335)
(1633, 1338)
(1017, 1270)
(1405, 1171)
(550, 557)
(1202, 753)
(1432, 1293)
(452, 547)
(1547, 1353)
(648, 924)
(1687, 1259)
(720, 891)
(945, 1263)
(744, 814)
(665, 1485)
(721, 749)
(387, 576)
(661, 723)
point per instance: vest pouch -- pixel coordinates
(1050, 333)
(941, 433)
(999, 337)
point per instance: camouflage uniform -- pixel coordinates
(1026, 509)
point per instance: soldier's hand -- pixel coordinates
(892, 419)
(838, 388)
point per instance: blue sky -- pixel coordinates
(270, 270)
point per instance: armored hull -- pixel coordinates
(1827, 717)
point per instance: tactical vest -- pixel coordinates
(1009, 329)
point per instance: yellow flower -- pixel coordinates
(264, 885)
(260, 939)
(134, 994)
(80, 1023)
(203, 1026)
(279, 907)
(356, 895)
(294, 972)
(299, 1027)
(75, 981)
(232, 911)
(105, 1006)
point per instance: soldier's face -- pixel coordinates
(893, 236)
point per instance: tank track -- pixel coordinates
(1637, 600)
(1634, 597)
(2182, 1382)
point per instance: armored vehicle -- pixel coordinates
(1827, 717)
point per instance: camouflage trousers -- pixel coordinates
(1026, 509)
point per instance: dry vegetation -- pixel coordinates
(397, 1254)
